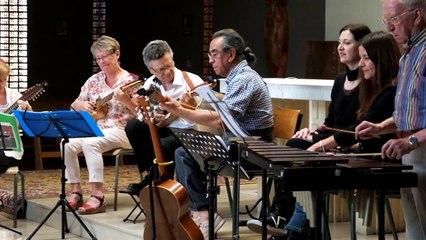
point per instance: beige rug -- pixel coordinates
(47, 183)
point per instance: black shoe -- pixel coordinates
(282, 210)
(275, 224)
(135, 188)
(278, 238)
(306, 234)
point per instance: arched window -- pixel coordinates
(207, 34)
(99, 24)
(13, 41)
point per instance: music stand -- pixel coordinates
(65, 125)
(206, 147)
(9, 141)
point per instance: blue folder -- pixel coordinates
(72, 124)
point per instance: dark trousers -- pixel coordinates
(6, 162)
(140, 138)
(191, 175)
(193, 178)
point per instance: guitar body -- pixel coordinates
(99, 112)
(170, 206)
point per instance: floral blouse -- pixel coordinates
(95, 87)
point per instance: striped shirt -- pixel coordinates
(248, 96)
(410, 100)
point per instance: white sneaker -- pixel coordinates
(204, 228)
(219, 221)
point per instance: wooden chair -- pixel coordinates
(118, 154)
(286, 122)
(18, 179)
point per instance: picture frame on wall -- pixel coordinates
(187, 24)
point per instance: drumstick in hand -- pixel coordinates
(339, 130)
(345, 131)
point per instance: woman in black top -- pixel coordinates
(380, 56)
(342, 113)
(344, 94)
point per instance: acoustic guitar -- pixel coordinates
(100, 107)
(31, 93)
(156, 97)
(168, 214)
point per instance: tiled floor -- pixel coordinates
(339, 231)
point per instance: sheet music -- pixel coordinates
(9, 139)
(204, 146)
(72, 123)
(220, 106)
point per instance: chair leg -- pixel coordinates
(15, 199)
(16, 206)
(24, 205)
(118, 161)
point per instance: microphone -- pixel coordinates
(142, 92)
(157, 81)
(211, 79)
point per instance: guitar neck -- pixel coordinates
(12, 107)
(155, 96)
(158, 150)
(100, 102)
(30, 94)
(148, 118)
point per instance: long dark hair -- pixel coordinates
(358, 30)
(383, 51)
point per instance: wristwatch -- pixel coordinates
(412, 140)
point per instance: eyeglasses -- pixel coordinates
(98, 59)
(164, 69)
(214, 53)
(396, 19)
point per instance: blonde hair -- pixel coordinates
(105, 43)
(4, 70)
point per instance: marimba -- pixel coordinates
(303, 170)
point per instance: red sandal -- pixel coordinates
(75, 205)
(88, 209)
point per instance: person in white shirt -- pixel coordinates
(172, 82)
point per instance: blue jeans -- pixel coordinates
(297, 221)
(191, 175)
(414, 199)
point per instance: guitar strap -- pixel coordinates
(188, 81)
(191, 85)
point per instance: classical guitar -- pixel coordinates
(100, 107)
(31, 93)
(155, 96)
(167, 211)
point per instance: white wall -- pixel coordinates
(341, 12)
